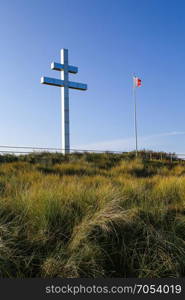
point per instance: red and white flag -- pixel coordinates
(137, 82)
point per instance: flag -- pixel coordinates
(137, 82)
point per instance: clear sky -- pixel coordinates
(108, 40)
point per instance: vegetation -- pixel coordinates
(92, 215)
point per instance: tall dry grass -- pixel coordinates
(91, 216)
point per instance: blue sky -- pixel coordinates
(109, 41)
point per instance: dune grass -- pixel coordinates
(91, 215)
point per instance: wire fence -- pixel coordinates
(23, 150)
(27, 150)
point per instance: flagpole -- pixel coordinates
(135, 114)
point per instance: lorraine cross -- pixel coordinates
(65, 84)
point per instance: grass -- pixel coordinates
(91, 215)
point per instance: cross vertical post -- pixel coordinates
(65, 85)
(65, 103)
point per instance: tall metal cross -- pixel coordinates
(65, 84)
